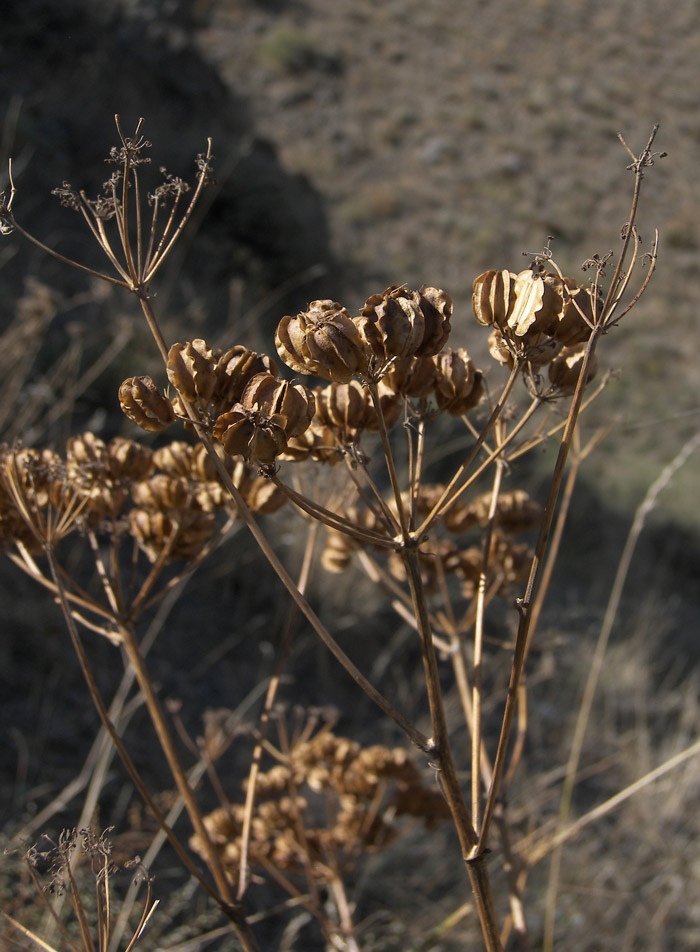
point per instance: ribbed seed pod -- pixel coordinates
(347, 406)
(337, 552)
(392, 324)
(143, 403)
(86, 451)
(161, 492)
(251, 434)
(319, 442)
(127, 459)
(411, 377)
(175, 459)
(571, 327)
(192, 370)
(234, 369)
(436, 306)
(153, 529)
(293, 401)
(493, 297)
(458, 385)
(322, 340)
(264, 497)
(391, 405)
(565, 368)
(527, 312)
(499, 349)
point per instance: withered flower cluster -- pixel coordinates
(445, 553)
(163, 498)
(328, 802)
(396, 343)
(539, 316)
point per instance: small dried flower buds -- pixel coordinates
(145, 405)
(323, 341)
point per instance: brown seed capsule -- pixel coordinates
(321, 443)
(251, 434)
(128, 460)
(565, 369)
(577, 314)
(458, 385)
(392, 324)
(275, 397)
(337, 552)
(436, 306)
(186, 531)
(322, 340)
(192, 370)
(392, 406)
(493, 297)
(161, 492)
(175, 459)
(347, 406)
(527, 312)
(264, 497)
(500, 350)
(234, 369)
(145, 405)
(411, 377)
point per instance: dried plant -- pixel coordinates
(337, 455)
(55, 870)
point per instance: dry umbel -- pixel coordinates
(441, 554)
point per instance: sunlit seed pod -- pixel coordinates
(86, 450)
(500, 349)
(578, 314)
(127, 459)
(143, 403)
(344, 405)
(493, 297)
(565, 369)
(436, 306)
(527, 312)
(210, 496)
(458, 385)
(274, 397)
(392, 324)
(323, 341)
(321, 443)
(186, 532)
(264, 497)
(337, 552)
(411, 377)
(192, 370)
(234, 369)
(251, 434)
(175, 459)
(161, 492)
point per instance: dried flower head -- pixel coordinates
(324, 341)
(144, 404)
(458, 384)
